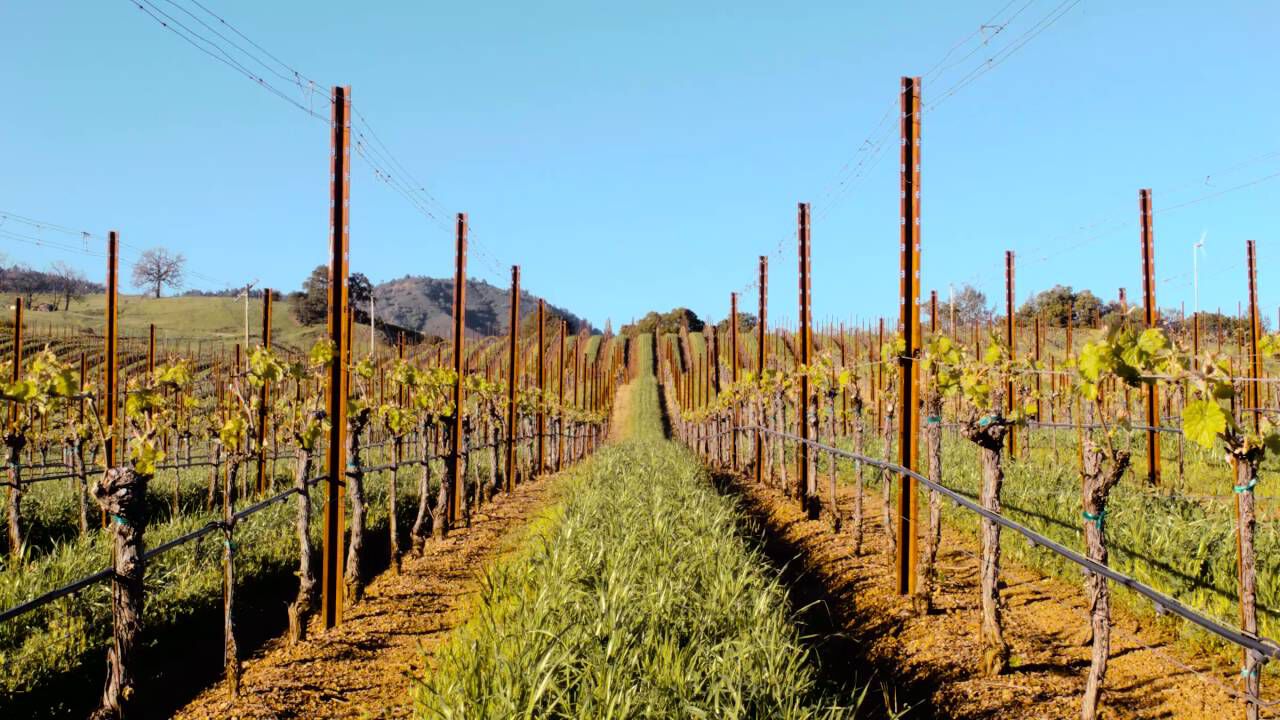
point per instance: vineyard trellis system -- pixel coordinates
(794, 406)
(411, 408)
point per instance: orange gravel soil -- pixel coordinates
(860, 626)
(364, 667)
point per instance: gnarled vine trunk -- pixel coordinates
(393, 531)
(304, 604)
(354, 577)
(231, 651)
(423, 520)
(989, 434)
(831, 469)
(440, 512)
(122, 495)
(81, 481)
(495, 449)
(886, 488)
(933, 536)
(14, 442)
(782, 449)
(1099, 478)
(859, 447)
(1246, 469)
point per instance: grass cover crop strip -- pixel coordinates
(640, 600)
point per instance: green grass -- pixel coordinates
(209, 318)
(1182, 546)
(639, 598)
(57, 651)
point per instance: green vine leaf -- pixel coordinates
(1202, 421)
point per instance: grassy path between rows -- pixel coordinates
(637, 596)
(364, 668)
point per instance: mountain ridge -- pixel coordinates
(425, 304)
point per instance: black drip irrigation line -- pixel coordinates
(1263, 646)
(109, 573)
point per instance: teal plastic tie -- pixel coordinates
(933, 419)
(1240, 489)
(986, 420)
(1247, 673)
(119, 520)
(1098, 519)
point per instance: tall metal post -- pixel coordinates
(1011, 335)
(1149, 319)
(762, 354)
(17, 357)
(513, 380)
(807, 495)
(542, 389)
(564, 329)
(733, 376)
(1255, 332)
(264, 396)
(909, 306)
(111, 363)
(459, 367)
(331, 584)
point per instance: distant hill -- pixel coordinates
(426, 305)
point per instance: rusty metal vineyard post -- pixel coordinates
(808, 498)
(1149, 317)
(909, 306)
(560, 429)
(1254, 393)
(733, 377)
(1011, 335)
(17, 358)
(331, 586)
(111, 363)
(513, 354)
(761, 356)
(541, 465)
(456, 498)
(264, 395)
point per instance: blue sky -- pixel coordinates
(642, 155)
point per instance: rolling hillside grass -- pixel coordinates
(204, 318)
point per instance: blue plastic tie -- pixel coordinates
(1240, 489)
(1098, 519)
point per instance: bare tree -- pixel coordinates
(158, 268)
(69, 282)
